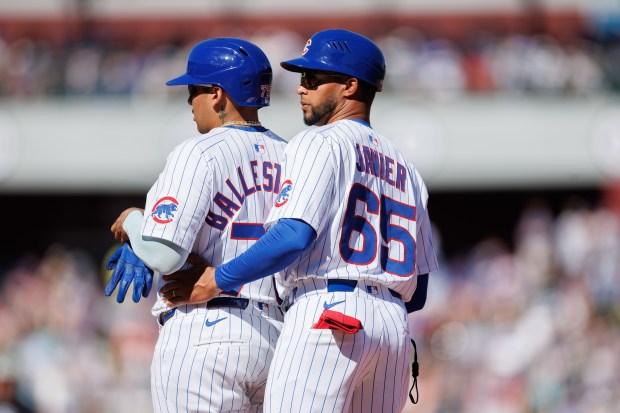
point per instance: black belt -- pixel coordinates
(232, 302)
(228, 302)
(349, 285)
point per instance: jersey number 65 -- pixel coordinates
(355, 225)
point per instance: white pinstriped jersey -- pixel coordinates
(213, 196)
(381, 230)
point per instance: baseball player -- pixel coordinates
(351, 233)
(211, 200)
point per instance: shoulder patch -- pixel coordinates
(164, 209)
(285, 193)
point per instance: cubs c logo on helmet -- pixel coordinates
(285, 193)
(164, 209)
(308, 44)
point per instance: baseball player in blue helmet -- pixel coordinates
(350, 235)
(210, 200)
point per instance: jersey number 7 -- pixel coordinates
(354, 223)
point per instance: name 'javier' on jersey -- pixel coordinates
(373, 162)
(264, 176)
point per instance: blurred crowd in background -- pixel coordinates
(418, 64)
(510, 326)
(527, 325)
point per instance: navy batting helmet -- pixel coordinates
(341, 51)
(236, 65)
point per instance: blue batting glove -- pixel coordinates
(127, 268)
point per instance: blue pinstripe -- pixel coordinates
(191, 370)
(173, 358)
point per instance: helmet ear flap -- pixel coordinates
(236, 65)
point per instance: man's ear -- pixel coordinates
(351, 87)
(218, 102)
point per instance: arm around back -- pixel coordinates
(275, 250)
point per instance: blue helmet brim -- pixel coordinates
(185, 79)
(300, 64)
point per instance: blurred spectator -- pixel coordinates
(611, 65)
(508, 64)
(119, 72)
(476, 62)
(546, 69)
(585, 74)
(401, 48)
(157, 66)
(438, 70)
(82, 71)
(280, 45)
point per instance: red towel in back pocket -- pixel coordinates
(337, 321)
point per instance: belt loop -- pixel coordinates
(165, 316)
(289, 300)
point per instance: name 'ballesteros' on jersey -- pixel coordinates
(242, 186)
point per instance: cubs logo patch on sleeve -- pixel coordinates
(164, 209)
(285, 193)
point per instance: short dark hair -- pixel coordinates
(365, 91)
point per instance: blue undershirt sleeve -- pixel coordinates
(275, 250)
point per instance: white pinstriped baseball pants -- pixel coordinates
(214, 360)
(330, 371)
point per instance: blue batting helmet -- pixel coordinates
(341, 51)
(236, 65)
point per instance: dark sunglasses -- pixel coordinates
(312, 80)
(195, 90)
